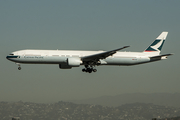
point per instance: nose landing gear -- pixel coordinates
(19, 66)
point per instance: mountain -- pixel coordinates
(70, 111)
(173, 118)
(164, 99)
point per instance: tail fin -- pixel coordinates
(157, 45)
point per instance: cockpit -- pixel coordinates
(11, 56)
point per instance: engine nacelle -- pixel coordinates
(64, 66)
(74, 62)
(71, 62)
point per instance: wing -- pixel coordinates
(103, 55)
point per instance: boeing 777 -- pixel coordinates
(66, 59)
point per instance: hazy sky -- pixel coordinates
(87, 25)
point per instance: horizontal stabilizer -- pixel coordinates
(159, 56)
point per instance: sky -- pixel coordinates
(87, 25)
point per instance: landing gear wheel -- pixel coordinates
(19, 68)
(90, 70)
(94, 70)
(84, 70)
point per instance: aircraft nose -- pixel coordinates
(7, 57)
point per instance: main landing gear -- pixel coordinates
(89, 69)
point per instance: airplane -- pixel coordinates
(66, 59)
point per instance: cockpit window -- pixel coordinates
(11, 54)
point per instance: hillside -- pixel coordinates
(70, 111)
(164, 99)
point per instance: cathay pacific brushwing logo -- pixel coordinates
(157, 46)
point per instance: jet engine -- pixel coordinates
(71, 62)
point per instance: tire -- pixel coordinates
(19, 68)
(94, 70)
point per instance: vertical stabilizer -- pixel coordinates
(157, 45)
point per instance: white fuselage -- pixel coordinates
(66, 59)
(61, 57)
